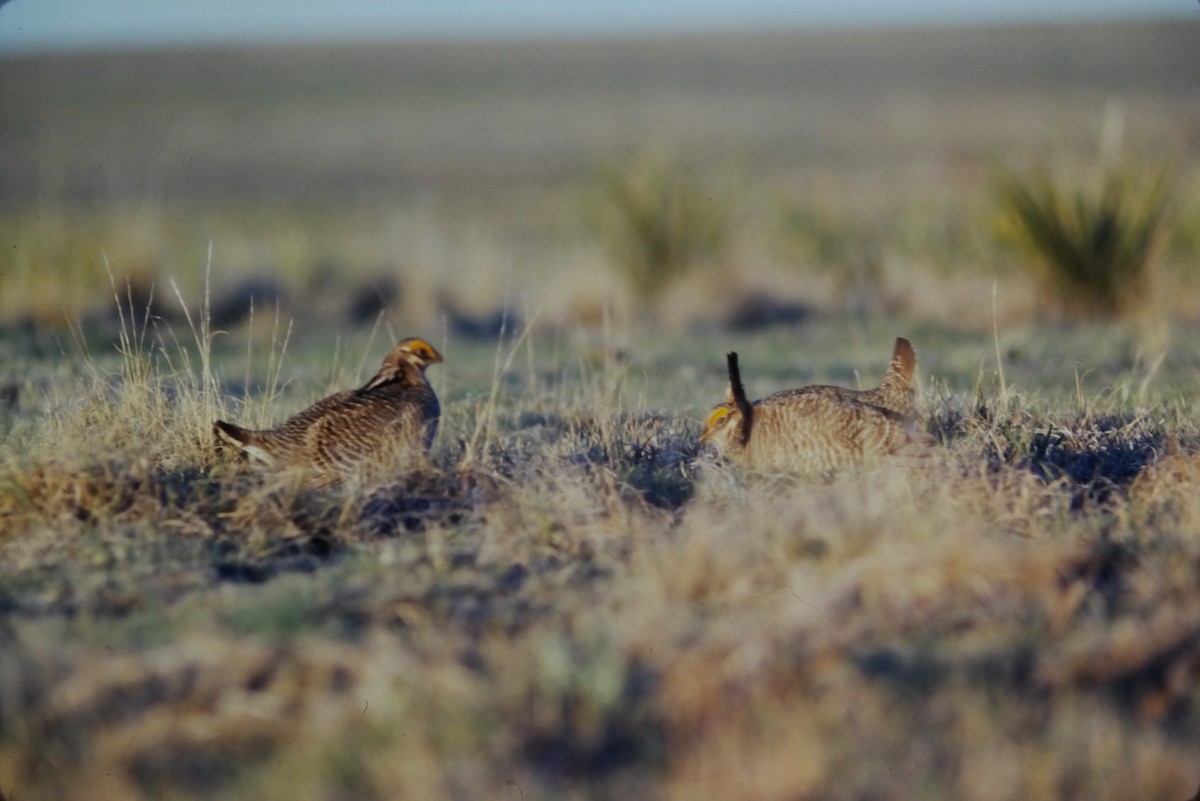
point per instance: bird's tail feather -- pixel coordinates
(243, 439)
(904, 364)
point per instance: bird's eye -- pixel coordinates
(717, 417)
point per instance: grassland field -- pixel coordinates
(573, 600)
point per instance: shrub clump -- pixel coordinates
(1093, 248)
(659, 221)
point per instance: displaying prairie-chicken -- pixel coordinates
(819, 430)
(370, 432)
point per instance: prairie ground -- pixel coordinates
(573, 600)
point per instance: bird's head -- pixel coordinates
(720, 425)
(415, 351)
(406, 363)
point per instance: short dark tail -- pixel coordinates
(230, 434)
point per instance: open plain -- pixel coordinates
(573, 599)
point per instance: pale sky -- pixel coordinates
(33, 25)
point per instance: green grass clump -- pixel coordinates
(659, 221)
(1094, 247)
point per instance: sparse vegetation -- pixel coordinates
(1094, 247)
(573, 600)
(660, 220)
(593, 604)
(850, 252)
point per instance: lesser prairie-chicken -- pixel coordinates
(818, 430)
(368, 433)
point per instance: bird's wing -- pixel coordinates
(368, 428)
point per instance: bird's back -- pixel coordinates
(895, 393)
(386, 427)
(817, 432)
(351, 431)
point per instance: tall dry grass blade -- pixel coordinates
(486, 418)
(203, 335)
(996, 341)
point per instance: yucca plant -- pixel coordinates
(1094, 249)
(659, 221)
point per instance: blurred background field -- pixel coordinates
(573, 601)
(842, 170)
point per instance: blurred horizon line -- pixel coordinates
(35, 33)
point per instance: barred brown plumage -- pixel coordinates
(364, 433)
(819, 430)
